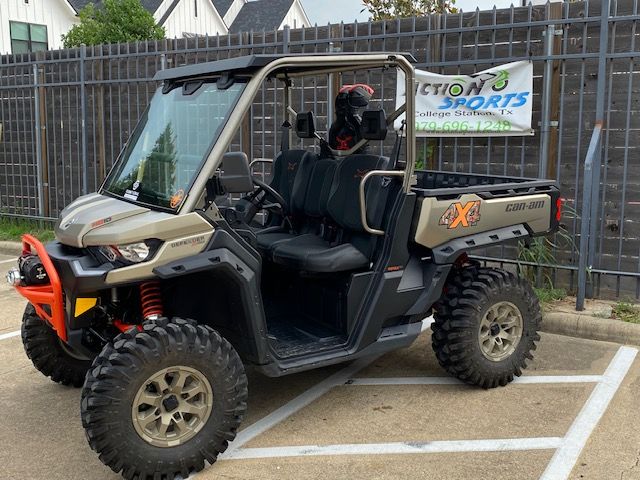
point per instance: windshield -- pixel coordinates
(170, 143)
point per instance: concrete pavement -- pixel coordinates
(399, 416)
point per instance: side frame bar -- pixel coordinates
(363, 200)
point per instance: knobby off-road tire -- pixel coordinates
(477, 298)
(136, 364)
(48, 354)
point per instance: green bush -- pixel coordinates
(113, 21)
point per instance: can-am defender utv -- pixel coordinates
(159, 289)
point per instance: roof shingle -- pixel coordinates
(222, 6)
(261, 15)
(151, 5)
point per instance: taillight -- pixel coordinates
(559, 209)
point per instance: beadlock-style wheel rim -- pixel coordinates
(500, 331)
(172, 406)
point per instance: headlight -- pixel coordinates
(131, 252)
(14, 277)
(134, 252)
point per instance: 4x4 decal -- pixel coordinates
(459, 215)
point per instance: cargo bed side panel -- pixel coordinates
(439, 221)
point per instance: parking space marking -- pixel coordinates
(291, 407)
(567, 455)
(567, 448)
(454, 381)
(7, 261)
(395, 448)
(4, 336)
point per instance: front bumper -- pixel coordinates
(47, 300)
(75, 278)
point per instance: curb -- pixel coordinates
(10, 248)
(592, 328)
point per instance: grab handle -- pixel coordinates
(363, 201)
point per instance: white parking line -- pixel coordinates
(448, 446)
(454, 381)
(302, 400)
(4, 336)
(568, 448)
(576, 438)
(296, 404)
(7, 261)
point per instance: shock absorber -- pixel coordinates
(151, 299)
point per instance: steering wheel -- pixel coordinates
(258, 200)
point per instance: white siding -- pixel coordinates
(295, 17)
(183, 19)
(57, 15)
(233, 11)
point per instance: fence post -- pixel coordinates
(591, 181)
(550, 95)
(286, 39)
(83, 121)
(38, 126)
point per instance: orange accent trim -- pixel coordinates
(41, 295)
(394, 268)
(461, 218)
(123, 327)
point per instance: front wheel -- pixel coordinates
(50, 355)
(486, 326)
(158, 403)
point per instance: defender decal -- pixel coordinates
(190, 242)
(459, 215)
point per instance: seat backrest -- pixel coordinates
(344, 204)
(319, 188)
(284, 172)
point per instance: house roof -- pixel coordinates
(261, 15)
(222, 6)
(151, 5)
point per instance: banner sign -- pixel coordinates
(493, 103)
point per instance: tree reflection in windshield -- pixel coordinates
(156, 173)
(170, 144)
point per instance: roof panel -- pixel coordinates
(248, 64)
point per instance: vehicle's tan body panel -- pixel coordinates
(183, 247)
(440, 221)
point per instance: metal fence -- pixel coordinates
(65, 115)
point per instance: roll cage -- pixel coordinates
(259, 68)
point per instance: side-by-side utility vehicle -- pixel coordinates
(184, 267)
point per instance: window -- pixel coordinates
(28, 37)
(195, 6)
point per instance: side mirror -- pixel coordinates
(374, 125)
(305, 125)
(236, 175)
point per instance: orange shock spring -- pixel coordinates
(151, 300)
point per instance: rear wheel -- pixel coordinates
(50, 355)
(158, 403)
(486, 326)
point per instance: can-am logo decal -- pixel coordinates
(459, 215)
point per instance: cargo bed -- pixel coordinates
(436, 183)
